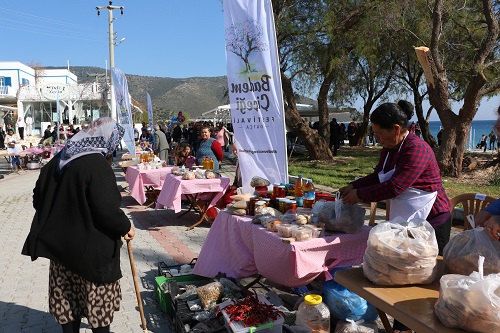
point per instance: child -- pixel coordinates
(184, 156)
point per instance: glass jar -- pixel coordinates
(314, 314)
(281, 191)
(251, 205)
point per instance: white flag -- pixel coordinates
(255, 92)
(150, 111)
(123, 107)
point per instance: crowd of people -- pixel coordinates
(187, 143)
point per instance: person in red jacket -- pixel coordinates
(209, 147)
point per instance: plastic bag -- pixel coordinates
(344, 304)
(340, 217)
(400, 253)
(460, 256)
(470, 302)
(210, 293)
(351, 326)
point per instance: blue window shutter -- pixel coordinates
(7, 81)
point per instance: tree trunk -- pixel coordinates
(451, 153)
(362, 130)
(316, 146)
(423, 123)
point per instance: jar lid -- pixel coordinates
(260, 203)
(282, 186)
(313, 299)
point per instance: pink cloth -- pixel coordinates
(239, 248)
(137, 179)
(174, 187)
(31, 151)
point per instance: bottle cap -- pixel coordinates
(300, 176)
(313, 299)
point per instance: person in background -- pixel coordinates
(177, 133)
(151, 137)
(12, 143)
(440, 137)
(482, 144)
(78, 226)
(161, 144)
(29, 125)
(222, 136)
(334, 136)
(20, 126)
(209, 147)
(136, 135)
(407, 173)
(493, 138)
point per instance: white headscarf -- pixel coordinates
(102, 136)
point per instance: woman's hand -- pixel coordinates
(492, 226)
(351, 198)
(481, 218)
(344, 190)
(130, 234)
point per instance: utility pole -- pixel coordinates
(112, 44)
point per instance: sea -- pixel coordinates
(478, 128)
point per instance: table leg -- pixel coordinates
(385, 321)
(201, 210)
(192, 203)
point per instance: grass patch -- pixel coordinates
(353, 162)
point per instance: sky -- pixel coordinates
(163, 38)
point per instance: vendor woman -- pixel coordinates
(209, 147)
(407, 173)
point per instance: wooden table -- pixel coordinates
(412, 305)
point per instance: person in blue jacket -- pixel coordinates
(489, 218)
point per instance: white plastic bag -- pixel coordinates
(400, 252)
(339, 217)
(461, 254)
(470, 302)
(351, 326)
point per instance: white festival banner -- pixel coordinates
(255, 92)
(123, 107)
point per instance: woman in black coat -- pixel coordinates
(78, 225)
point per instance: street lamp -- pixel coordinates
(112, 44)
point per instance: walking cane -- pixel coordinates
(136, 285)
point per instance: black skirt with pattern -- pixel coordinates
(71, 298)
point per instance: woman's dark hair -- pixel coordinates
(387, 115)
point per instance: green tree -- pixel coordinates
(461, 63)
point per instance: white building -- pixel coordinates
(25, 90)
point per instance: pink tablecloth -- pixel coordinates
(137, 179)
(239, 248)
(31, 151)
(174, 187)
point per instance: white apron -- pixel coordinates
(412, 203)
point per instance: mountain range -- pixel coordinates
(192, 96)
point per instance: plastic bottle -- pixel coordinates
(299, 193)
(314, 314)
(211, 164)
(309, 194)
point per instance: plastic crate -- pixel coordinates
(164, 270)
(237, 326)
(182, 315)
(163, 294)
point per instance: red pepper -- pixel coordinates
(252, 311)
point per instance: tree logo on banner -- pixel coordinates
(242, 39)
